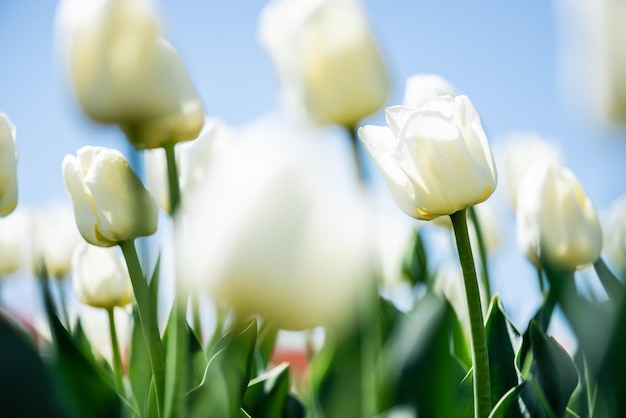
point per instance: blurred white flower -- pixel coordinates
(110, 202)
(124, 72)
(8, 166)
(326, 57)
(15, 243)
(55, 237)
(557, 225)
(276, 230)
(436, 159)
(420, 88)
(192, 158)
(100, 277)
(614, 225)
(95, 323)
(394, 239)
(592, 55)
(521, 152)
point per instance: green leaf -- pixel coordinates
(197, 358)
(555, 369)
(390, 316)
(502, 343)
(516, 403)
(415, 264)
(266, 395)
(86, 388)
(227, 374)
(421, 370)
(265, 344)
(153, 284)
(139, 368)
(26, 387)
(176, 340)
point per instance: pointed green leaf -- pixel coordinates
(197, 358)
(154, 283)
(139, 369)
(266, 395)
(390, 315)
(421, 370)
(265, 344)
(555, 369)
(85, 386)
(502, 343)
(415, 264)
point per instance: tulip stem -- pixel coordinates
(482, 250)
(358, 160)
(147, 319)
(480, 357)
(117, 359)
(172, 177)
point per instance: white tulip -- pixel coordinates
(275, 231)
(521, 152)
(100, 277)
(421, 88)
(55, 238)
(557, 225)
(327, 59)
(8, 166)
(124, 72)
(14, 243)
(110, 202)
(436, 160)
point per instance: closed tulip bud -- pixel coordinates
(327, 60)
(557, 225)
(273, 231)
(521, 152)
(124, 72)
(436, 160)
(55, 238)
(8, 166)
(420, 88)
(110, 202)
(100, 277)
(14, 243)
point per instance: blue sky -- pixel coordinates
(502, 54)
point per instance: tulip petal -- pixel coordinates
(82, 202)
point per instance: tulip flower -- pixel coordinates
(124, 72)
(14, 243)
(55, 238)
(327, 59)
(110, 203)
(100, 277)
(8, 166)
(274, 230)
(521, 152)
(557, 225)
(436, 159)
(420, 88)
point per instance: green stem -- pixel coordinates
(542, 287)
(147, 319)
(117, 359)
(195, 312)
(480, 357)
(612, 285)
(63, 299)
(482, 251)
(172, 178)
(358, 160)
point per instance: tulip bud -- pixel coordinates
(436, 159)
(100, 277)
(327, 59)
(420, 88)
(55, 238)
(14, 243)
(274, 230)
(557, 225)
(8, 166)
(124, 72)
(522, 151)
(110, 202)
